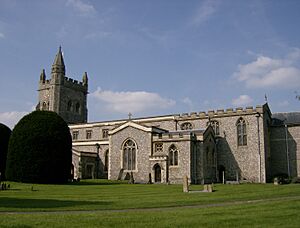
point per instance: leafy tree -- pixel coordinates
(4, 138)
(40, 149)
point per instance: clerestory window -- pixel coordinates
(186, 126)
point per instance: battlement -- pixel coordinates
(73, 82)
(221, 112)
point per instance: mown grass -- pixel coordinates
(90, 204)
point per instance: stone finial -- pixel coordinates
(85, 78)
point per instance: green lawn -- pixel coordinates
(100, 203)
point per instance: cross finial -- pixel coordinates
(266, 98)
(129, 115)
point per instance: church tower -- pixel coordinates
(65, 96)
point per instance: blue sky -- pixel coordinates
(153, 57)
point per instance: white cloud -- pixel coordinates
(134, 102)
(266, 72)
(242, 100)
(83, 8)
(187, 101)
(11, 118)
(1, 35)
(204, 11)
(283, 103)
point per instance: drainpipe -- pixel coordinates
(287, 149)
(258, 144)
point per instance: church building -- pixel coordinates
(244, 144)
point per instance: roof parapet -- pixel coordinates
(222, 112)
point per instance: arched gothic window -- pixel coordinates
(129, 155)
(241, 132)
(106, 160)
(69, 108)
(215, 125)
(186, 126)
(77, 107)
(173, 156)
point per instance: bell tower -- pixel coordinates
(65, 96)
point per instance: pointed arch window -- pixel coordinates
(77, 107)
(44, 107)
(241, 132)
(69, 108)
(129, 155)
(173, 155)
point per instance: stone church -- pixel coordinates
(244, 144)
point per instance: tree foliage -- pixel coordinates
(40, 149)
(4, 138)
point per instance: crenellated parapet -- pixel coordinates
(222, 113)
(75, 84)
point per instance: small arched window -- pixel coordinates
(106, 154)
(186, 126)
(173, 156)
(69, 108)
(241, 132)
(44, 107)
(77, 107)
(129, 155)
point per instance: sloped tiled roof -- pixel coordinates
(285, 118)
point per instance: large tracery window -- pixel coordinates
(241, 132)
(173, 156)
(129, 155)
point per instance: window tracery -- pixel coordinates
(186, 126)
(173, 155)
(241, 132)
(129, 155)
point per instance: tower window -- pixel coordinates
(77, 108)
(173, 156)
(241, 132)
(69, 108)
(129, 155)
(44, 106)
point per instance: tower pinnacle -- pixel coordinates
(58, 65)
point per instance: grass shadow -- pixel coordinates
(97, 182)
(9, 202)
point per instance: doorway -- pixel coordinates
(221, 173)
(157, 173)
